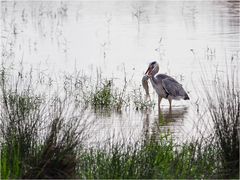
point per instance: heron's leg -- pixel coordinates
(170, 104)
(159, 109)
(159, 101)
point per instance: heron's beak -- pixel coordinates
(149, 71)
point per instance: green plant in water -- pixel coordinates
(103, 97)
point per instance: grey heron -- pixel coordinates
(164, 85)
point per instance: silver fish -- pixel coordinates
(145, 84)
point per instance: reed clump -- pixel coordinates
(224, 109)
(40, 136)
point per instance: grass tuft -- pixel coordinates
(103, 97)
(224, 109)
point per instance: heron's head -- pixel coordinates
(153, 68)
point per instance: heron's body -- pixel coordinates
(165, 86)
(158, 85)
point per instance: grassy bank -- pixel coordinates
(43, 133)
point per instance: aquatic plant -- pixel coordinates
(103, 96)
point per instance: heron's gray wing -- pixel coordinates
(173, 88)
(164, 76)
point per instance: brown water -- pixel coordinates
(185, 37)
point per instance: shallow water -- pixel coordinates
(186, 38)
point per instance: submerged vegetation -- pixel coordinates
(44, 133)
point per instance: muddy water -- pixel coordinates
(186, 38)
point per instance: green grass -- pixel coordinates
(157, 158)
(11, 166)
(103, 97)
(99, 94)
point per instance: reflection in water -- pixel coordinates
(146, 132)
(166, 121)
(175, 114)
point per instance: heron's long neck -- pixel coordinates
(155, 71)
(153, 80)
(153, 77)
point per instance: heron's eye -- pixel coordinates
(153, 63)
